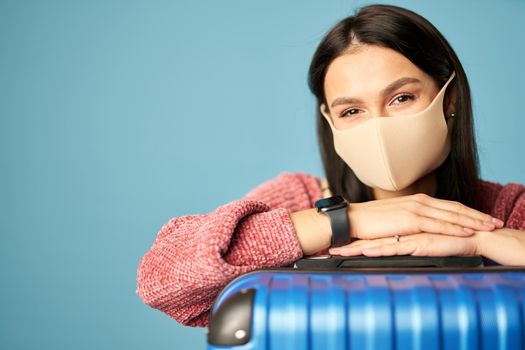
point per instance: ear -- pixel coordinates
(449, 105)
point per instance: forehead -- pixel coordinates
(367, 69)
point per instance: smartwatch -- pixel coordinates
(335, 208)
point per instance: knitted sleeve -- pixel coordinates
(509, 206)
(193, 257)
(505, 202)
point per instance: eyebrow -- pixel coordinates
(389, 89)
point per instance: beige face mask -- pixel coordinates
(393, 152)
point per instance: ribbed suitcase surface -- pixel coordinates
(316, 310)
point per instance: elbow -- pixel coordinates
(159, 272)
(154, 283)
(166, 283)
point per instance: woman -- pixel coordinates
(396, 137)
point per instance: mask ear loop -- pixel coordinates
(453, 114)
(322, 109)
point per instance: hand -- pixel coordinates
(414, 214)
(420, 244)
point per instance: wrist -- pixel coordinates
(352, 213)
(312, 229)
(480, 239)
(335, 208)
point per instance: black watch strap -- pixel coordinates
(340, 227)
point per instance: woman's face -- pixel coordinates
(375, 81)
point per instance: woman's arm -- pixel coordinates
(505, 246)
(195, 256)
(403, 216)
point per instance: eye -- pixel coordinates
(349, 112)
(403, 98)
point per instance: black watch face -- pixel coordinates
(330, 203)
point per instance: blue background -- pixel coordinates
(119, 115)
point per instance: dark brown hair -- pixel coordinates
(419, 41)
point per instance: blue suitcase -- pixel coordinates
(329, 306)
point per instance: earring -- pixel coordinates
(452, 115)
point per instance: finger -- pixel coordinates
(431, 225)
(458, 207)
(347, 250)
(355, 248)
(356, 244)
(398, 248)
(464, 221)
(369, 242)
(423, 244)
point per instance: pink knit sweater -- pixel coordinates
(195, 256)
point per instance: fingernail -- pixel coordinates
(468, 230)
(498, 222)
(489, 225)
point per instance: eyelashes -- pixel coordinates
(400, 99)
(345, 113)
(408, 96)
